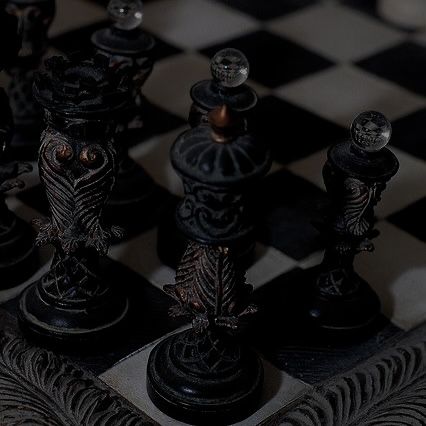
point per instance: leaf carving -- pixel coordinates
(209, 286)
(358, 200)
(40, 389)
(389, 390)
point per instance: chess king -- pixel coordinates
(205, 375)
(73, 302)
(355, 176)
(18, 257)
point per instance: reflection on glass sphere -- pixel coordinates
(230, 67)
(371, 131)
(127, 14)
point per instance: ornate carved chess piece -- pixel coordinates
(130, 49)
(205, 375)
(35, 17)
(355, 175)
(230, 70)
(18, 257)
(73, 302)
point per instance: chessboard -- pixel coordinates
(315, 65)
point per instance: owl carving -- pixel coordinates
(78, 178)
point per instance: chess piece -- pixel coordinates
(130, 49)
(218, 162)
(18, 256)
(230, 70)
(73, 302)
(355, 175)
(35, 17)
(205, 375)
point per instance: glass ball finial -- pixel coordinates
(230, 67)
(371, 131)
(126, 14)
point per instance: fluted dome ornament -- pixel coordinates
(355, 175)
(230, 69)
(217, 164)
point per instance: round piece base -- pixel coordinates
(356, 311)
(62, 325)
(204, 399)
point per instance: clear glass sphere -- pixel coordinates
(126, 14)
(371, 131)
(230, 67)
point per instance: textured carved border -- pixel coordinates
(387, 390)
(39, 388)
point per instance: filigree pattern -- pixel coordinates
(387, 390)
(214, 214)
(41, 389)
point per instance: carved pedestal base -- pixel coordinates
(66, 307)
(202, 379)
(353, 311)
(18, 255)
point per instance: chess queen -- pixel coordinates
(73, 302)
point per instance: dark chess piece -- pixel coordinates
(18, 256)
(220, 162)
(230, 70)
(73, 302)
(205, 375)
(355, 175)
(35, 17)
(130, 49)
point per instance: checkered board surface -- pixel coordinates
(315, 66)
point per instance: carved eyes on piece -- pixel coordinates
(64, 153)
(91, 157)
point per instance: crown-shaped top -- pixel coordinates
(81, 86)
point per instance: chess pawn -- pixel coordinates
(18, 257)
(205, 375)
(355, 175)
(219, 164)
(230, 69)
(130, 50)
(35, 17)
(73, 302)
